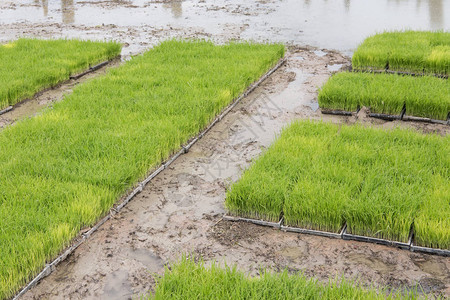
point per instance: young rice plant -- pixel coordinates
(188, 280)
(60, 171)
(28, 66)
(425, 96)
(378, 182)
(406, 51)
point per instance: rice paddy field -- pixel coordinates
(424, 96)
(64, 168)
(189, 280)
(28, 65)
(406, 51)
(381, 183)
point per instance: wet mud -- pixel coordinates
(181, 210)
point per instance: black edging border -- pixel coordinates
(71, 77)
(387, 71)
(344, 235)
(387, 117)
(49, 268)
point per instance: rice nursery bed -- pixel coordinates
(65, 168)
(28, 66)
(381, 184)
(405, 51)
(427, 96)
(189, 280)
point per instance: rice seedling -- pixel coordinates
(28, 66)
(432, 225)
(189, 280)
(385, 93)
(405, 51)
(377, 182)
(63, 169)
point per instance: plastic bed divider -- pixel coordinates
(427, 250)
(315, 232)
(254, 221)
(387, 71)
(342, 235)
(91, 69)
(49, 268)
(359, 238)
(5, 110)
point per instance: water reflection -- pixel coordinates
(175, 7)
(68, 11)
(436, 11)
(44, 4)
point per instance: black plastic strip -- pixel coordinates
(387, 71)
(5, 110)
(336, 112)
(254, 221)
(315, 232)
(425, 120)
(359, 238)
(385, 116)
(90, 70)
(427, 250)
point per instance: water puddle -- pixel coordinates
(151, 261)
(320, 53)
(117, 286)
(371, 262)
(335, 67)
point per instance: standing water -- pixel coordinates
(332, 24)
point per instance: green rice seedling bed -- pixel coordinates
(66, 167)
(405, 51)
(321, 176)
(426, 96)
(28, 66)
(49, 268)
(189, 280)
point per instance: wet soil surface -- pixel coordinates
(139, 24)
(181, 210)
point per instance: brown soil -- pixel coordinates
(180, 210)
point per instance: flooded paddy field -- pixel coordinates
(181, 209)
(337, 24)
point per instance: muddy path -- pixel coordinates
(32, 106)
(180, 210)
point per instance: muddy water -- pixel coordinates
(337, 24)
(180, 210)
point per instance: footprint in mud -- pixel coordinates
(117, 286)
(432, 267)
(294, 254)
(150, 260)
(371, 262)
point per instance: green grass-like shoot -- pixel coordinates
(425, 96)
(189, 280)
(379, 182)
(405, 51)
(28, 66)
(63, 169)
